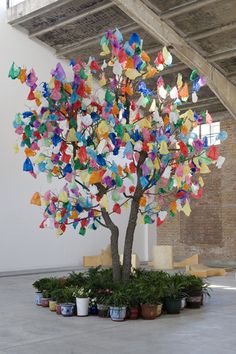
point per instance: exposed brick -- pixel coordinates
(210, 230)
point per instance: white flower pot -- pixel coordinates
(183, 303)
(82, 306)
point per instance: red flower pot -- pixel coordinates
(45, 302)
(134, 313)
(58, 309)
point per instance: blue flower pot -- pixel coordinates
(117, 313)
(67, 309)
(93, 310)
(38, 296)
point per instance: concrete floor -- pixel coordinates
(28, 329)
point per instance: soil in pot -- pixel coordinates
(172, 306)
(149, 311)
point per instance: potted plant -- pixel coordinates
(150, 299)
(40, 285)
(93, 310)
(118, 304)
(103, 296)
(180, 280)
(173, 295)
(47, 285)
(76, 279)
(68, 306)
(46, 297)
(59, 296)
(196, 289)
(133, 300)
(82, 300)
(52, 303)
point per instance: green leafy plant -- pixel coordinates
(149, 295)
(58, 295)
(76, 279)
(196, 286)
(46, 294)
(69, 295)
(42, 284)
(81, 292)
(118, 297)
(133, 294)
(49, 283)
(174, 288)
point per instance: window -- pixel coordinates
(210, 131)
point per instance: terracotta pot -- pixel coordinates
(149, 311)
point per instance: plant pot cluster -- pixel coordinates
(147, 295)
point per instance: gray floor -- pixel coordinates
(28, 329)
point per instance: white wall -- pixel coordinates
(22, 244)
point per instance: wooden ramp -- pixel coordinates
(202, 271)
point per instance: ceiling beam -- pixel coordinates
(231, 75)
(184, 8)
(211, 32)
(94, 40)
(152, 23)
(222, 55)
(209, 101)
(91, 11)
(152, 6)
(29, 9)
(174, 69)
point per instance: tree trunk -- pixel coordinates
(115, 255)
(114, 245)
(129, 237)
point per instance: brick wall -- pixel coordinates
(210, 230)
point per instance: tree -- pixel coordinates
(115, 135)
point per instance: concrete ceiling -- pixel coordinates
(201, 32)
